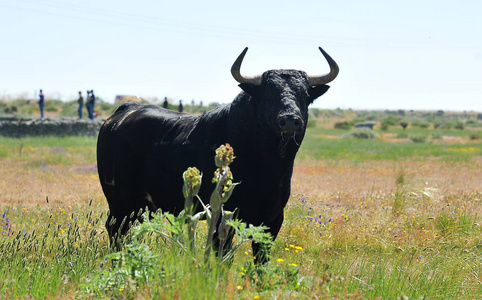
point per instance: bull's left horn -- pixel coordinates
(325, 78)
(235, 71)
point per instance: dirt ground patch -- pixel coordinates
(326, 136)
(325, 182)
(28, 186)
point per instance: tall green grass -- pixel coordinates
(52, 150)
(317, 147)
(48, 251)
(61, 254)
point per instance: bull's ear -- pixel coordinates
(317, 91)
(250, 89)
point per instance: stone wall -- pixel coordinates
(59, 126)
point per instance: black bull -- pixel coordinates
(142, 151)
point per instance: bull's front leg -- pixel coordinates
(261, 252)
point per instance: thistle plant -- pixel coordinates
(192, 183)
(223, 190)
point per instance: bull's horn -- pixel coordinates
(235, 71)
(324, 79)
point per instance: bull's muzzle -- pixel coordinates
(289, 124)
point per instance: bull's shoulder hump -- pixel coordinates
(156, 113)
(127, 106)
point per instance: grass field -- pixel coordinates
(384, 218)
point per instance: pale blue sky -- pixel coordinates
(392, 54)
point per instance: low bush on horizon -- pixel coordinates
(361, 133)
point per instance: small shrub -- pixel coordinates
(384, 125)
(460, 125)
(475, 136)
(343, 125)
(436, 135)
(420, 124)
(402, 135)
(472, 123)
(436, 124)
(418, 138)
(424, 125)
(449, 125)
(362, 133)
(391, 120)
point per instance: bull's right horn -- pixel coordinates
(325, 78)
(235, 71)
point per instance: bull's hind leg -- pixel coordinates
(122, 217)
(115, 228)
(121, 214)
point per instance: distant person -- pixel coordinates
(180, 107)
(87, 104)
(91, 103)
(41, 103)
(81, 104)
(165, 104)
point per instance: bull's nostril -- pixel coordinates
(297, 124)
(282, 123)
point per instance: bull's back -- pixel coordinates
(137, 145)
